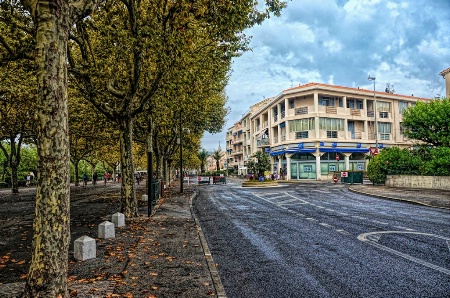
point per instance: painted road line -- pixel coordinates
(366, 238)
(311, 219)
(379, 222)
(287, 201)
(325, 225)
(343, 232)
(403, 228)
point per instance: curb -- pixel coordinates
(396, 199)
(217, 282)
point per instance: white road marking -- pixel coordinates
(366, 237)
(325, 225)
(448, 244)
(343, 232)
(311, 219)
(331, 210)
(403, 228)
(379, 222)
(288, 201)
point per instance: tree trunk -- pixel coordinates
(14, 178)
(128, 195)
(75, 165)
(47, 276)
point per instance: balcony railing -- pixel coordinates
(301, 111)
(283, 114)
(262, 142)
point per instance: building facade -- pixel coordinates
(314, 130)
(446, 75)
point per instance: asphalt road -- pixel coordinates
(320, 240)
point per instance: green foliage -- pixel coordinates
(262, 162)
(420, 160)
(429, 122)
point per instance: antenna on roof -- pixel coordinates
(389, 88)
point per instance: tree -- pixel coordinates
(218, 155)
(18, 103)
(122, 55)
(262, 162)
(48, 23)
(202, 156)
(429, 122)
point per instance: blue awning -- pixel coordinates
(298, 150)
(345, 150)
(275, 153)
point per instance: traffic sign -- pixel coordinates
(344, 174)
(373, 151)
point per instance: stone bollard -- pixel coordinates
(144, 198)
(106, 230)
(84, 248)
(118, 219)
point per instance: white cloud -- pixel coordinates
(404, 43)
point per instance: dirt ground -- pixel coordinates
(156, 257)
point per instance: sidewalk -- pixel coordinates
(427, 197)
(164, 256)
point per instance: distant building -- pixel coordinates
(446, 75)
(314, 130)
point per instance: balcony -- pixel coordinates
(355, 112)
(283, 114)
(370, 114)
(262, 142)
(331, 110)
(301, 111)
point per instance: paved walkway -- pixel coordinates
(427, 197)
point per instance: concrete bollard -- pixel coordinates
(118, 219)
(84, 248)
(106, 230)
(144, 198)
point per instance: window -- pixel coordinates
(383, 106)
(384, 115)
(301, 125)
(332, 134)
(402, 106)
(384, 129)
(355, 104)
(329, 101)
(291, 103)
(301, 134)
(331, 124)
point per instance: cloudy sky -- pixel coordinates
(402, 42)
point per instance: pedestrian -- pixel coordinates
(118, 177)
(28, 180)
(108, 176)
(104, 179)
(94, 178)
(138, 178)
(85, 179)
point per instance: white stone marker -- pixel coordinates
(84, 248)
(118, 219)
(106, 230)
(144, 198)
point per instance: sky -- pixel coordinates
(405, 43)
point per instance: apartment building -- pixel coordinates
(314, 130)
(238, 140)
(446, 75)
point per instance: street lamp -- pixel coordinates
(374, 110)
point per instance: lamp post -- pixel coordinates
(181, 156)
(374, 110)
